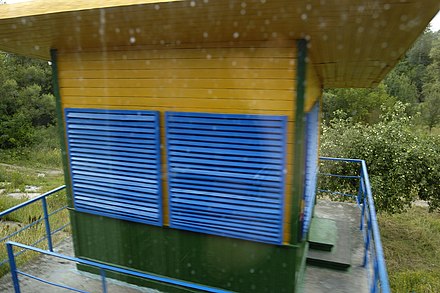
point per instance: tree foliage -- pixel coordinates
(403, 164)
(26, 102)
(414, 81)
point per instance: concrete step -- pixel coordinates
(333, 240)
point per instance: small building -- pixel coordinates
(190, 128)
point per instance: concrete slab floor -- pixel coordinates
(355, 279)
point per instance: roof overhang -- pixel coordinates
(353, 43)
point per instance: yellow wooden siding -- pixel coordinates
(213, 80)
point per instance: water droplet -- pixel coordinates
(132, 40)
(236, 35)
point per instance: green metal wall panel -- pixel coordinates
(227, 263)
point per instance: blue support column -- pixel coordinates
(47, 224)
(13, 268)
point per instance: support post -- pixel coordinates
(13, 267)
(47, 224)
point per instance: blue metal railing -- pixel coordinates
(373, 253)
(49, 231)
(102, 267)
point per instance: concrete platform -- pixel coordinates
(355, 278)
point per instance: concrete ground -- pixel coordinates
(317, 280)
(355, 279)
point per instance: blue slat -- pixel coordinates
(255, 135)
(115, 163)
(226, 174)
(229, 140)
(102, 139)
(223, 121)
(227, 179)
(256, 195)
(238, 188)
(221, 151)
(225, 156)
(104, 147)
(226, 146)
(106, 128)
(121, 134)
(135, 167)
(244, 128)
(311, 166)
(105, 157)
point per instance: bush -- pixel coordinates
(403, 164)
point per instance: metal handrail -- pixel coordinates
(102, 267)
(46, 215)
(368, 213)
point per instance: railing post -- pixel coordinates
(104, 283)
(367, 242)
(13, 267)
(47, 224)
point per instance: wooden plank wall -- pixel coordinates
(241, 79)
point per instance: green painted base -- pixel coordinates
(231, 264)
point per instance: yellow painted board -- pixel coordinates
(186, 109)
(196, 63)
(194, 103)
(132, 93)
(180, 53)
(231, 83)
(180, 73)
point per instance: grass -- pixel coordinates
(38, 166)
(411, 243)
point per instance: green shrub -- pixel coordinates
(403, 164)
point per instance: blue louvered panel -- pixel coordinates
(115, 163)
(226, 174)
(311, 166)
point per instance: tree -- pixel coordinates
(403, 164)
(362, 105)
(26, 102)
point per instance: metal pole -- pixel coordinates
(104, 284)
(47, 224)
(13, 267)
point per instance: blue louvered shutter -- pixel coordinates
(115, 163)
(226, 174)
(311, 166)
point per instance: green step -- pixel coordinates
(323, 234)
(339, 256)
